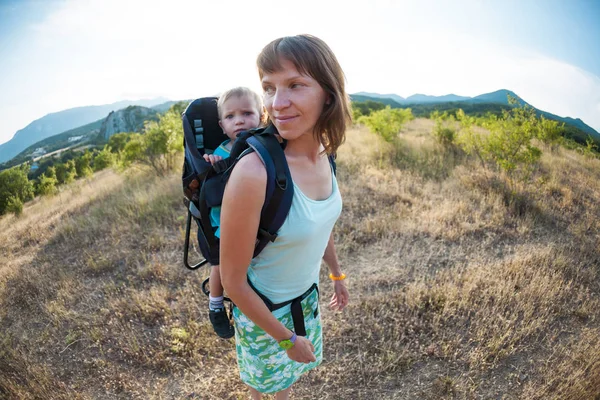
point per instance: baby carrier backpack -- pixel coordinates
(204, 184)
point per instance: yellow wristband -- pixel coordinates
(337, 278)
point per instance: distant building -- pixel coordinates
(38, 152)
(75, 138)
(33, 167)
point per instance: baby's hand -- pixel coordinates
(212, 158)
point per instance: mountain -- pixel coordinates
(422, 98)
(499, 96)
(385, 100)
(58, 122)
(395, 97)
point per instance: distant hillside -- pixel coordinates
(385, 100)
(422, 98)
(56, 123)
(395, 97)
(499, 96)
(73, 137)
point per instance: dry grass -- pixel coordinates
(461, 287)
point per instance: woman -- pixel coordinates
(304, 94)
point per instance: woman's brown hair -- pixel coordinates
(311, 56)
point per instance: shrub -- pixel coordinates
(387, 122)
(47, 183)
(15, 184)
(82, 165)
(104, 159)
(66, 172)
(445, 130)
(14, 205)
(163, 140)
(509, 142)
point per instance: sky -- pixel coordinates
(59, 54)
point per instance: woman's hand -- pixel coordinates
(212, 159)
(303, 351)
(340, 297)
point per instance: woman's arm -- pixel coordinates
(340, 297)
(240, 216)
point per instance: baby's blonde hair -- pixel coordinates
(242, 91)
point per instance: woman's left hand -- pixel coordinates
(340, 297)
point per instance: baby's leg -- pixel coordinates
(216, 307)
(214, 283)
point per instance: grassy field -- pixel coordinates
(464, 285)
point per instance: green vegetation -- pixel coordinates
(510, 143)
(15, 189)
(47, 183)
(66, 172)
(158, 147)
(360, 108)
(570, 129)
(387, 122)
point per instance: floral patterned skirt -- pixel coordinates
(263, 364)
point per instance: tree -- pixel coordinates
(15, 185)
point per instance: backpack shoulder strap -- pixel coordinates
(331, 158)
(280, 189)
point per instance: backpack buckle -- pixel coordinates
(222, 165)
(266, 235)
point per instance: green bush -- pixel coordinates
(162, 141)
(47, 183)
(104, 159)
(360, 108)
(15, 184)
(509, 142)
(387, 122)
(83, 165)
(14, 205)
(66, 172)
(133, 150)
(445, 130)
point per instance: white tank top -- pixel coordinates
(287, 267)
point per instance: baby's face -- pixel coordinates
(238, 114)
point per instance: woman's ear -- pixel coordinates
(264, 119)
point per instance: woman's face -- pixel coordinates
(294, 101)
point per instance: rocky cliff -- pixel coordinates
(130, 119)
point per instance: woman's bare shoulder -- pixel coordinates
(249, 171)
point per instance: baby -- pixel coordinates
(240, 109)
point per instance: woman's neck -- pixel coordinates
(305, 146)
